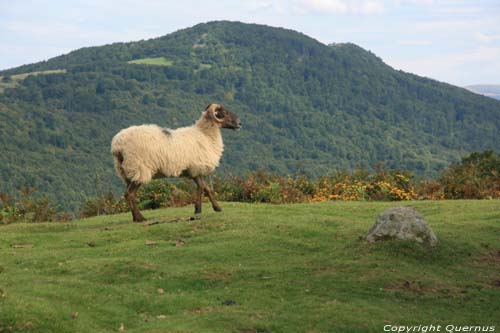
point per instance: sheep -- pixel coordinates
(144, 152)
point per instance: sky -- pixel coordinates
(453, 41)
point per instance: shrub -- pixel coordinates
(28, 208)
(158, 193)
(103, 205)
(359, 185)
(153, 195)
(430, 190)
(477, 176)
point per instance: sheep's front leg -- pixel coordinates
(210, 194)
(132, 188)
(199, 193)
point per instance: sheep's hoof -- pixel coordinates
(139, 219)
(218, 209)
(197, 211)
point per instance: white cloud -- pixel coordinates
(324, 6)
(436, 26)
(442, 7)
(454, 10)
(73, 33)
(419, 2)
(21, 54)
(453, 67)
(340, 6)
(261, 5)
(414, 42)
(485, 38)
(368, 7)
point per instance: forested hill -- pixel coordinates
(304, 105)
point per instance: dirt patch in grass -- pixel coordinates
(490, 259)
(421, 288)
(254, 330)
(201, 310)
(495, 283)
(325, 271)
(491, 262)
(217, 276)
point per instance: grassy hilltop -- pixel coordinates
(251, 268)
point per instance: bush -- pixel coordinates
(430, 190)
(359, 185)
(103, 205)
(156, 194)
(28, 208)
(477, 176)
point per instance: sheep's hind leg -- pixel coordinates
(132, 188)
(210, 194)
(199, 193)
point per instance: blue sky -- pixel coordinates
(452, 41)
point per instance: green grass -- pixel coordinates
(159, 61)
(251, 268)
(15, 79)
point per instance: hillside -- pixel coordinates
(252, 268)
(304, 105)
(490, 90)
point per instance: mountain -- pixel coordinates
(490, 90)
(305, 106)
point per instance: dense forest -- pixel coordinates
(305, 106)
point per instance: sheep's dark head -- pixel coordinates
(222, 116)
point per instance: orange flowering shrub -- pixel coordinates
(346, 189)
(359, 185)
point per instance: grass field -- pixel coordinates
(15, 79)
(159, 61)
(251, 268)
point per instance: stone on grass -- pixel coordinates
(402, 223)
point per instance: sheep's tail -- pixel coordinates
(118, 158)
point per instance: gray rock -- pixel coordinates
(404, 224)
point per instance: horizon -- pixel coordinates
(457, 42)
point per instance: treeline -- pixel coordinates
(477, 176)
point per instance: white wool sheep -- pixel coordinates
(144, 152)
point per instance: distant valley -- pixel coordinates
(490, 90)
